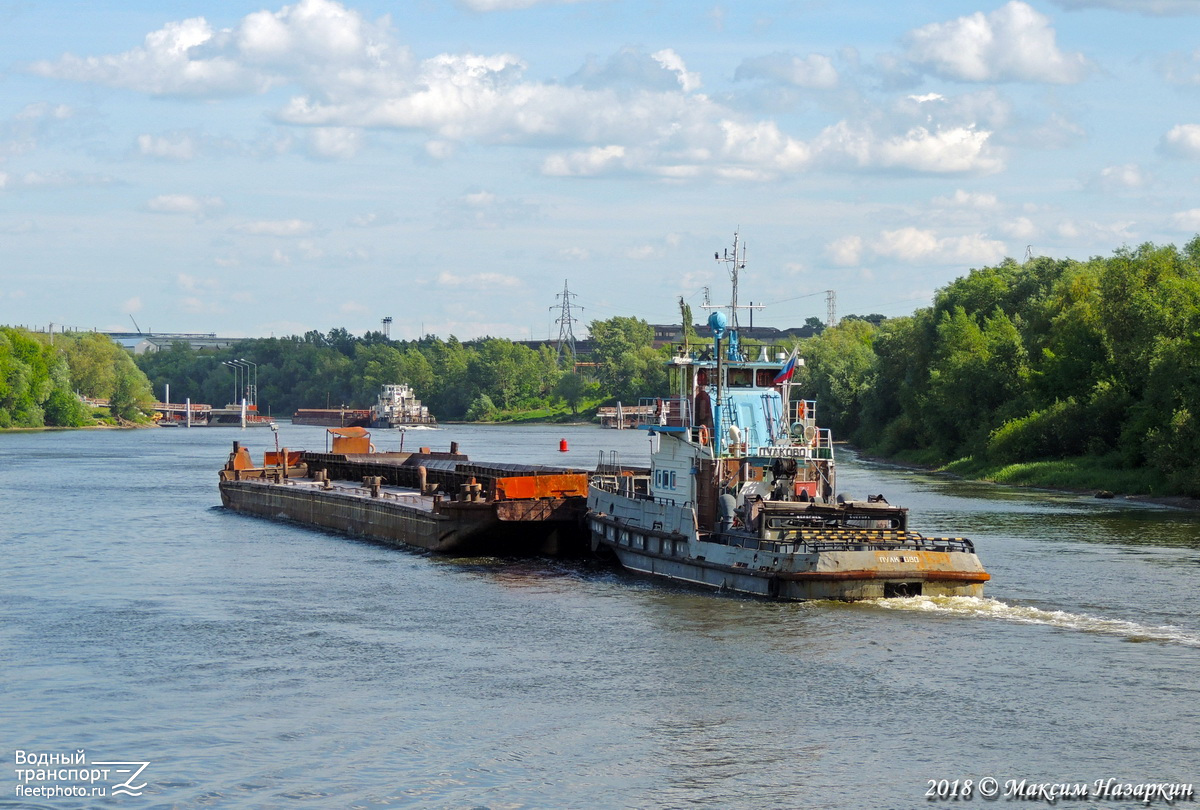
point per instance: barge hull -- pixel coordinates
(463, 529)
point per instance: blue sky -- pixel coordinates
(253, 169)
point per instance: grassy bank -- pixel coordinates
(1088, 474)
(1082, 474)
(560, 414)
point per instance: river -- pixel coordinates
(256, 664)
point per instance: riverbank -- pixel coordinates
(98, 426)
(1101, 477)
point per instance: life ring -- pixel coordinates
(801, 412)
(704, 434)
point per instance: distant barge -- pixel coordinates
(396, 407)
(435, 501)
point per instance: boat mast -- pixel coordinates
(736, 264)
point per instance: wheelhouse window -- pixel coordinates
(740, 377)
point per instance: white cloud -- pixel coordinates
(440, 150)
(1181, 68)
(954, 150)
(190, 58)
(484, 209)
(374, 219)
(32, 126)
(43, 110)
(761, 144)
(846, 251)
(199, 306)
(132, 305)
(1151, 8)
(1183, 140)
(483, 280)
(1118, 178)
(674, 62)
(1096, 232)
(1019, 228)
(335, 143)
(39, 181)
(185, 204)
(814, 71)
(967, 199)
(907, 244)
(164, 65)
(511, 5)
(643, 252)
(1055, 132)
(1188, 221)
(284, 227)
(1013, 43)
(915, 245)
(310, 249)
(585, 163)
(632, 113)
(190, 283)
(176, 146)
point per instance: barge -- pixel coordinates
(426, 500)
(332, 417)
(395, 407)
(741, 491)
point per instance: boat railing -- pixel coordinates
(624, 482)
(803, 412)
(609, 462)
(835, 540)
(664, 411)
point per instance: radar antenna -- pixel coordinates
(736, 263)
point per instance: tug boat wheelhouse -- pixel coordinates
(740, 494)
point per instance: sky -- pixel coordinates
(252, 169)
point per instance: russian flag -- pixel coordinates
(787, 371)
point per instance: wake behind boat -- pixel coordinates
(740, 493)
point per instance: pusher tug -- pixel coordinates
(740, 493)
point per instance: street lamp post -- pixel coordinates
(253, 387)
(237, 376)
(245, 389)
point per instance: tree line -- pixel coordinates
(1041, 360)
(43, 376)
(476, 380)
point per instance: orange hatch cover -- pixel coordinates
(271, 458)
(541, 486)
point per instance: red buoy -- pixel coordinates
(562, 445)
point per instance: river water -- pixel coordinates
(256, 664)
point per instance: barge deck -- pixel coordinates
(438, 502)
